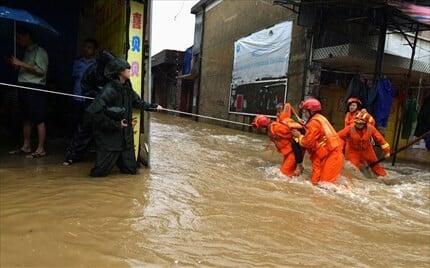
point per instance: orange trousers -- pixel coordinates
(365, 156)
(326, 166)
(289, 164)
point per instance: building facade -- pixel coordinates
(165, 68)
(219, 24)
(331, 44)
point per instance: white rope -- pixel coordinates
(207, 117)
(90, 98)
(47, 91)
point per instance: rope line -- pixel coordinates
(90, 98)
(47, 91)
(207, 117)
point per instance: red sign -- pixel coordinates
(137, 20)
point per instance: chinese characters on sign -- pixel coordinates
(135, 60)
(134, 68)
(137, 20)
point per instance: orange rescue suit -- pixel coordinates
(286, 112)
(350, 117)
(325, 149)
(359, 149)
(280, 135)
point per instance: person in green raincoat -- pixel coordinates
(111, 117)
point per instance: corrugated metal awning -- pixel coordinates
(351, 57)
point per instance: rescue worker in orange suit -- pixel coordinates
(358, 148)
(286, 111)
(354, 106)
(280, 134)
(322, 143)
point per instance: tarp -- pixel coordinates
(263, 54)
(418, 13)
(188, 60)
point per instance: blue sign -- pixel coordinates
(135, 43)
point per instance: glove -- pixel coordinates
(386, 152)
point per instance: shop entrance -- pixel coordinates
(75, 21)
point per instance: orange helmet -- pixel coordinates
(351, 100)
(362, 117)
(313, 105)
(260, 121)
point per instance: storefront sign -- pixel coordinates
(135, 60)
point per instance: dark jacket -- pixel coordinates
(93, 78)
(108, 134)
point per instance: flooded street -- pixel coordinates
(213, 197)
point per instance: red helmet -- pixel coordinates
(362, 117)
(260, 121)
(313, 105)
(351, 100)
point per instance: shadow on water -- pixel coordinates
(213, 197)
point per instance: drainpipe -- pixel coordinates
(307, 65)
(200, 61)
(145, 125)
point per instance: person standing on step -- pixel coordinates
(91, 84)
(32, 71)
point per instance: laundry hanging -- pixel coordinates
(358, 89)
(380, 100)
(423, 120)
(409, 116)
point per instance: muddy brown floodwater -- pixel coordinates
(213, 197)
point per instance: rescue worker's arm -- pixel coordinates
(143, 105)
(279, 132)
(312, 135)
(379, 139)
(344, 133)
(347, 119)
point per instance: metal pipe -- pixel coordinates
(381, 47)
(399, 129)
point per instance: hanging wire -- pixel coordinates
(180, 10)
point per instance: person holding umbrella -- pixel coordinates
(32, 70)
